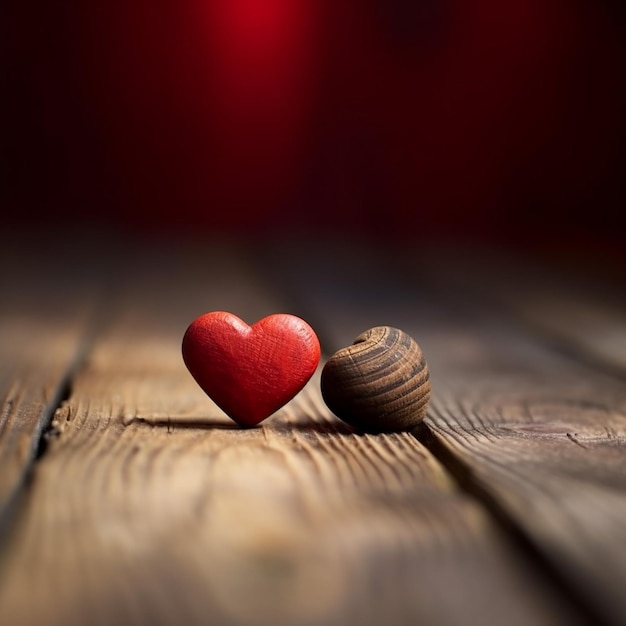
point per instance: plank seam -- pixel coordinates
(42, 434)
(485, 304)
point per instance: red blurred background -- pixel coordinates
(480, 119)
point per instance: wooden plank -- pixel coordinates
(541, 438)
(152, 507)
(44, 314)
(580, 310)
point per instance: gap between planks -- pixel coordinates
(48, 313)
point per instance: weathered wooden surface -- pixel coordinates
(540, 438)
(150, 506)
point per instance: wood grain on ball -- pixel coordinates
(379, 383)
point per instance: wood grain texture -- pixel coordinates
(43, 325)
(250, 371)
(152, 507)
(539, 437)
(378, 383)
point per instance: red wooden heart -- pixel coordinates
(250, 371)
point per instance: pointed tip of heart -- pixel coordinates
(250, 371)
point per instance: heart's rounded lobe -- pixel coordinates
(250, 371)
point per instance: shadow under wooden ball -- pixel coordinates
(379, 383)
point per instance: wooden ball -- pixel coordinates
(379, 383)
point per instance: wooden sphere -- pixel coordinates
(379, 383)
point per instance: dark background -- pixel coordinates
(474, 120)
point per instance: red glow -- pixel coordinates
(263, 80)
(259, 50)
